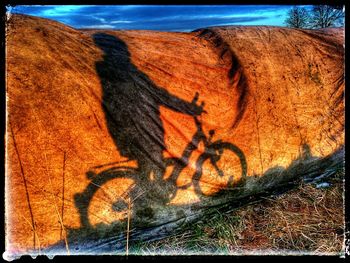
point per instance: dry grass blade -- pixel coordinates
(304, 220)
(56, 209)
(35, 232)
(128, 227)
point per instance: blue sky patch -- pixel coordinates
(156, 17)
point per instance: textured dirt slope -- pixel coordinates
(296, 88)
(267, 90)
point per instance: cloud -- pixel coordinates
(106, 26)
(63, 10)
(121, 22)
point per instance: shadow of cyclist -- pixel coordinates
(131, 104)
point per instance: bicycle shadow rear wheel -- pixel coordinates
(221, 167)
(107, 198)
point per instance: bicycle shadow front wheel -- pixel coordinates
(221, 167)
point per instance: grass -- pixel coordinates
(306, 220)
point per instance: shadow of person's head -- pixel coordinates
(116, 65)
(110, 44)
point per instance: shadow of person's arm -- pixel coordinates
(174, 103)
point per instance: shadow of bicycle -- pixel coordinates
(117, 196)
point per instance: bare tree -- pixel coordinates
(297, 17)
(327, 15)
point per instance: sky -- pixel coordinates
(156, 17)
